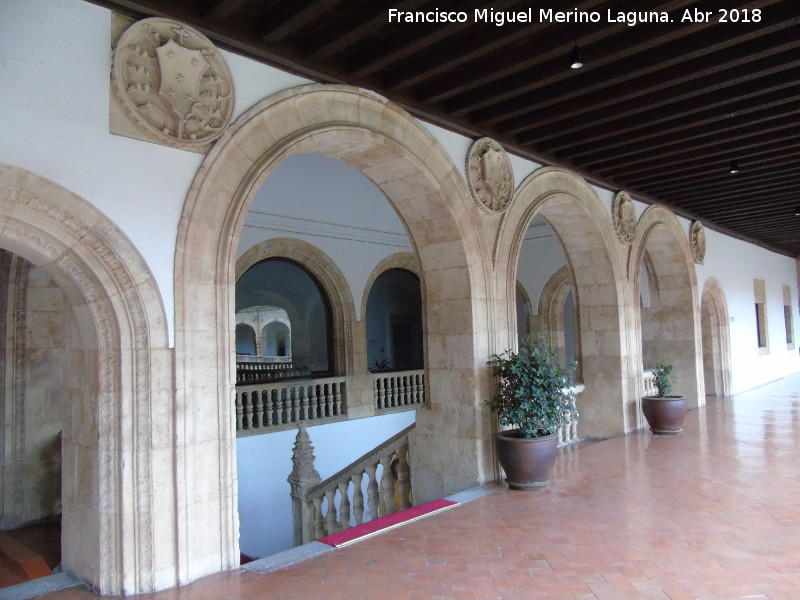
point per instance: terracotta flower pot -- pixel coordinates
(528, 463)
(665, 415)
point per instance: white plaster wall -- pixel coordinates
(264, 463)
(736, 265)
(539, 259)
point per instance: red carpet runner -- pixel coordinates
(370, 528)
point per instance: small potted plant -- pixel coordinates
(664, 413)
(535, 396)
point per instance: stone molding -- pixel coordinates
(714, 307)
(172, 83)
(122, 320)
(624, 215)
(490, 178)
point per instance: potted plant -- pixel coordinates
(664, 413)
(535, 396)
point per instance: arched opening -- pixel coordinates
(246, 344)
(716, 339)
(524, 312)
(663, 271)
(394, 322)
(583, 228)
(290, 310)
(422, 185)
(557, 313)
(78, 277)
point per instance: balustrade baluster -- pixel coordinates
(303, 404)
(358, 497)
(292, 393)
(344, 505)
(393, 391)
(239, 412)
(312, 402)
(372, 491)
(403, 479)
(387, 486)
(248, 411)
(284, 409)
(330, 519)
(255, 401)
(337, 399)
(319, 522)
(406, 390)
(381, 394)
(263, 397)
(274, 397)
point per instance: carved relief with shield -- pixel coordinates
(173, 83)
(624, 216)
(489, 175)
(697, 241)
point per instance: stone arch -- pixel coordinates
(673, 318)
(407, 261)
(120, 405)
(330, 277)
(716, 340)
(583, 226)
(551, 310)
(425, 188)
(526, 310)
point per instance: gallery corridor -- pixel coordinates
(712, 513)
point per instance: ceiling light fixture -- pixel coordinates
(734, 167)
(576, 62)
(797, 211)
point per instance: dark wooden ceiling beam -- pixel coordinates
(722, 129)
(549, 44)
(729, 141)
(678, 174)
(700, 200)
(292, 17)
(220, 11)
(774, 203)
(404, 44)
(577, 114)
(344, 33)
(714, 108)
(690, 57)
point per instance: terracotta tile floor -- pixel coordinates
(713, 513)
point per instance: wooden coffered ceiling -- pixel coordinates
(658, 109)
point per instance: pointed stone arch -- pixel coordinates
(429, 195)
(716, 343)
(116, 435)
(583, 226)
(671, 331)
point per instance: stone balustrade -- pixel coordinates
(261, 408)
(649, 383)
(568, 434)
(398, 390)
(322, 508)
(247, 358)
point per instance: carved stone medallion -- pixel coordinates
(697, 240)
(624, 216)
(173, 83)
(489, 175)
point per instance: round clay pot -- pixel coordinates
(664, 415)
(528, 463)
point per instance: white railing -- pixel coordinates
(649, 382)
(265, 407)
(323, 508)
(568, 434)
(247, 358)
(264, 371)
(398, 390)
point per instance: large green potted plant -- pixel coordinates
(535, 396)
(664, 413)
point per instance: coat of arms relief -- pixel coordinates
(172, 82)
(489, 175)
